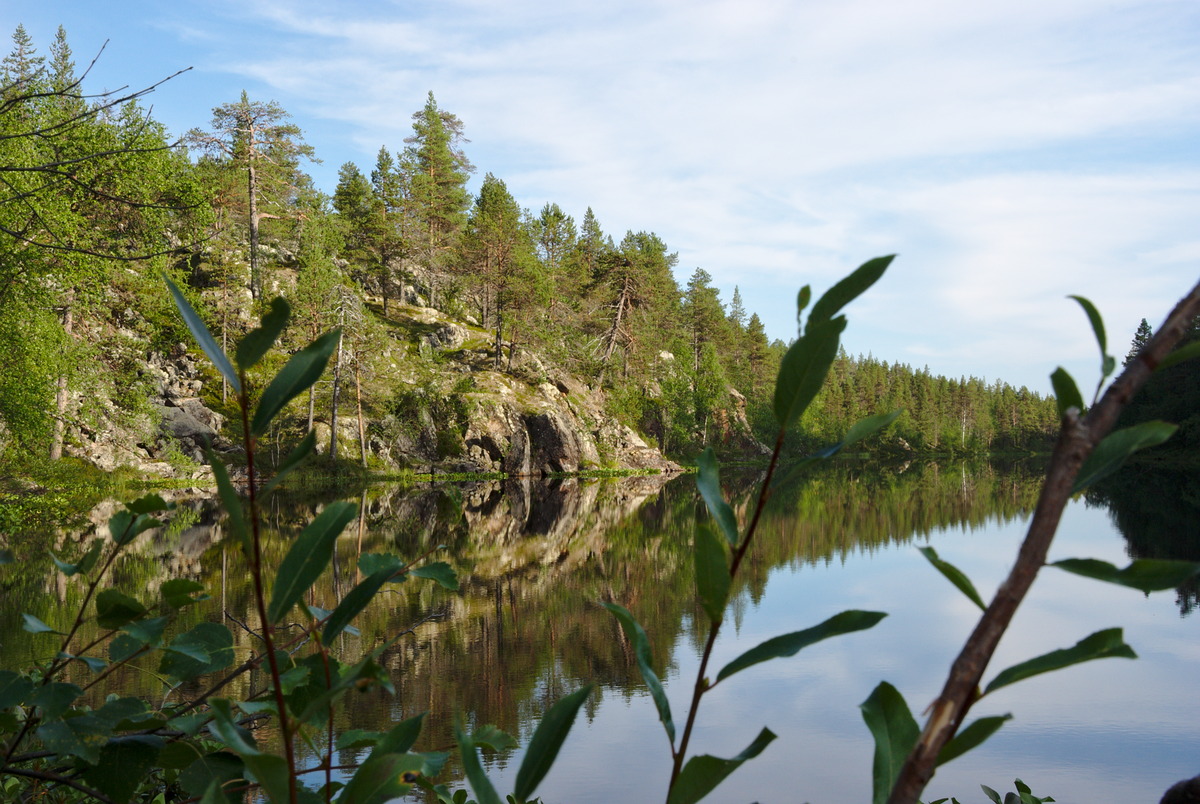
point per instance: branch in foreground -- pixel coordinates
(1076, 441)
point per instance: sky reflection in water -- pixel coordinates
(1110, 730)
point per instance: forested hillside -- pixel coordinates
(433, 283)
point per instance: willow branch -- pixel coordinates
(1077, 439)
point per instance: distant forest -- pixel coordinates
(97, 200)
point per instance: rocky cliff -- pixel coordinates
(438, 403)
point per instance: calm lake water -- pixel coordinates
(535, 559)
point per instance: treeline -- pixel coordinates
(97, 200)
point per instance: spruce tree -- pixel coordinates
(1140, 339)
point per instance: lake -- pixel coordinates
(536, 558)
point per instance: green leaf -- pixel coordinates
(124, 525)
(381, 778)
(1100, 645)
(857, 432)
(149, 504)
(402, 737)
(221, 768)
(149, 632)
(895, 733)
(81, 737)
(790, 644)
(189, 724)
(304, 369)
(1115, 449)
(54, 698)
(702, 774)
(1146, 574)
(231, 502)
(206, 648)
(123, 765)
(971, 737)
(641, 651)
(317, 706)
(954, 575)
(213, 794)
(1186, 352)
(493, 737)
(114, 609)
(93, 664)
(1066, 392)
(1098, 328)
(294, 459)
(14, 688)
(258, 341)
(547, 740)
(992, 794)
(712, 571)
(708, 481)
(84, 565)
(847, 290)
(35, 626)
(354, 602)
(124, 647)
(123, 711)
(357, 738)
(484, 792)
(803, 297)
(177, 592)
(438, 571)
(202, 336)
(804, 368)
(269, 770)
(869, 426)
(371, 563)
(308, 557)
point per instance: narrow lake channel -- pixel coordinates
(535, 559)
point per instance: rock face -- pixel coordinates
(176, 420)
(184, 417)
(521, 418)
(551, 428)
(454, 408)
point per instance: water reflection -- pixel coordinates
(536, 558)
(1157, 510)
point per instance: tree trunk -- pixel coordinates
(252, 192)
(337, 374)
(60, 397)
(362, 431)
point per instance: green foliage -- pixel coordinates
(895, 733)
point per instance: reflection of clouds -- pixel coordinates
(1108, 730)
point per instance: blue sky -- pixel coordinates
(1010, 153)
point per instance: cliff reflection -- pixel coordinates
(535, 559)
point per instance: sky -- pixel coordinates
(1010, 153)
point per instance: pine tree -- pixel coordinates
(256, 138)
(500, 256)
